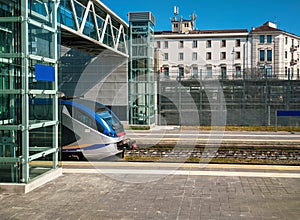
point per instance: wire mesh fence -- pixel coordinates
(243, 101)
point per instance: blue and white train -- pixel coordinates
(92, 129)
(88, 129)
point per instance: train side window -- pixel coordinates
(84, 118)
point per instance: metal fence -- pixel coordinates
(240, 101)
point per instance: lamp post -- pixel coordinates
(233, 53)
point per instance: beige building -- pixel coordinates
(265, 51)
(274, 53)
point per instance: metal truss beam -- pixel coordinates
(115, 31)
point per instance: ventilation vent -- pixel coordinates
(141, 16)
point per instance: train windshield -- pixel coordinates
(109, 118)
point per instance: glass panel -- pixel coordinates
(269, 71)
(209, 72)
(10, 110)
(10, 172)
(40, 139)
(40, 11)
(79, 12)
(8, 43)
(40, 109)
(40, 166)
(10, 74)
(269, 55)
(122, 46)
(100, 23)
(41, 42)
(38, 6)
(269, 38)
(261, 39)
(108, 39)
(9, 8)
(90, 28)
(261, 55)
(139, 39)
(66, 14)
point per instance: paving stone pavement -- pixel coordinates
(96, 196)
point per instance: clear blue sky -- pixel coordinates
(232, 14)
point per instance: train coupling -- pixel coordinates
(127, 144)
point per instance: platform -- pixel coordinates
(105, 190)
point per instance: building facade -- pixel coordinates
(265, 51)
(274, 53)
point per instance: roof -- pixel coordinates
(265, 27)
(204, 32)
(270, 27)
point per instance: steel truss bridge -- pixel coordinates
(91, 26)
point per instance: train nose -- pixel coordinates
(127, 144)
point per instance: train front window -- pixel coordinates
(109, 118)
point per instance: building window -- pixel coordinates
(269, 55)
(195, 44)
(195, 72)
(262, 39)
(208, 43)
(166, 56)
(166, 71)
(195, 55)
(186, 25)
(238, 72)
(269, 38)
(176, 25)
(180, 44)
(223, 72)
(181, 72)
(209, 72)
(166, 44)
(208, 55)
(237, 55)
(223, 43)
(298, 73)
(158, 44)
(261, 55)
(261, 71)
(223, 55)
(237, 42)
(286, 71)
(285, 54)
(180, 56)
(286, 40)
(268, 71)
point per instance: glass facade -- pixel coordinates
(141, 69)
(28, 89)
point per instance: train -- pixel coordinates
(91, 128)
(88, 129)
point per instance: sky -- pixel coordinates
(216, 14)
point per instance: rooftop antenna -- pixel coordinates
(176, 12)
(193, 18)
(275, 20)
